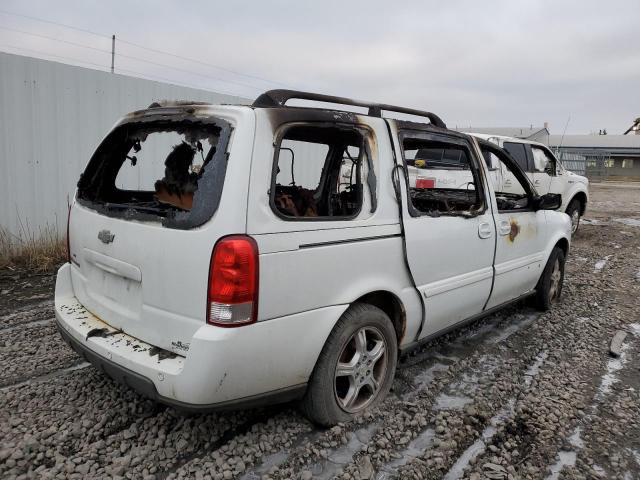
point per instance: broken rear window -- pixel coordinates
(168, 171)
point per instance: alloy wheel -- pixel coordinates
(556, 277)
(361, 369)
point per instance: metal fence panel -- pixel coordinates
(592, 164)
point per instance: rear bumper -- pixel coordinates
(147, 388)
(225, 368)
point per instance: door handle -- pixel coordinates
(537, 182)
(504, 227)
(484, 230)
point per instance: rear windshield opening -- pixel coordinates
(156, 170)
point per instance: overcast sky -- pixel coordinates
(491, 63)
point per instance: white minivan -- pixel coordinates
(442, 168)
(226, 256)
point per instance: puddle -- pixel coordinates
(565, 459)
(575, 439)
(267, 464)
(415, 449)
(614, 365)
(589, 221)
(451, 402)
(478, 447)
(503, 333)
(342, 456)
(534, 369)
(601, 263)
(632, 222)
(425, 378)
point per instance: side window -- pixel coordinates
(318, 173)
(542, 161)
(512, 193)
(518, 152)
(491, 160)
(442, 176)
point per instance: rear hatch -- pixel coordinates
(145, 221)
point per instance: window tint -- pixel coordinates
(542, 162)
(518, 152)
(318, 172)
(442, 177)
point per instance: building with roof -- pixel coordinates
(536, 134)
(620, 154)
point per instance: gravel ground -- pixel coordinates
(517, 395)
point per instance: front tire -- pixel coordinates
(549, 286)
(573, 210)
(355, 368)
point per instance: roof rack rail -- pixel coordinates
(279, 97)
(176, 103)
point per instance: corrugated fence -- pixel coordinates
(52, 117)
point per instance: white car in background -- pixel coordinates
(441, 168)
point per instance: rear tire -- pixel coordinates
(573, 210)
(549, 286)
(355, 368)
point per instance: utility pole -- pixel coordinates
(113, 51)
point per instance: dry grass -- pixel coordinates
(41, 251)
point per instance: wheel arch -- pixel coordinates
(581, 197)
(390, 304)
(563, 243)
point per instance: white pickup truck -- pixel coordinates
(442, 169)
(219, 257)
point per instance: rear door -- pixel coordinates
(450, 234)
(149, 209)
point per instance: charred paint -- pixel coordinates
(515, 230)
(161, 352)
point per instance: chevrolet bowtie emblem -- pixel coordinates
(106, 236)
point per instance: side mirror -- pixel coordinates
(549, 201)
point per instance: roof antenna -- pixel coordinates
(564, 131)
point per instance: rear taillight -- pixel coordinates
(233, 282)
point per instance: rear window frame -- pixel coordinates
(207, 196)
(369, 183)
(446, 138)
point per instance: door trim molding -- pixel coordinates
(459, 281)
(517, 263)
